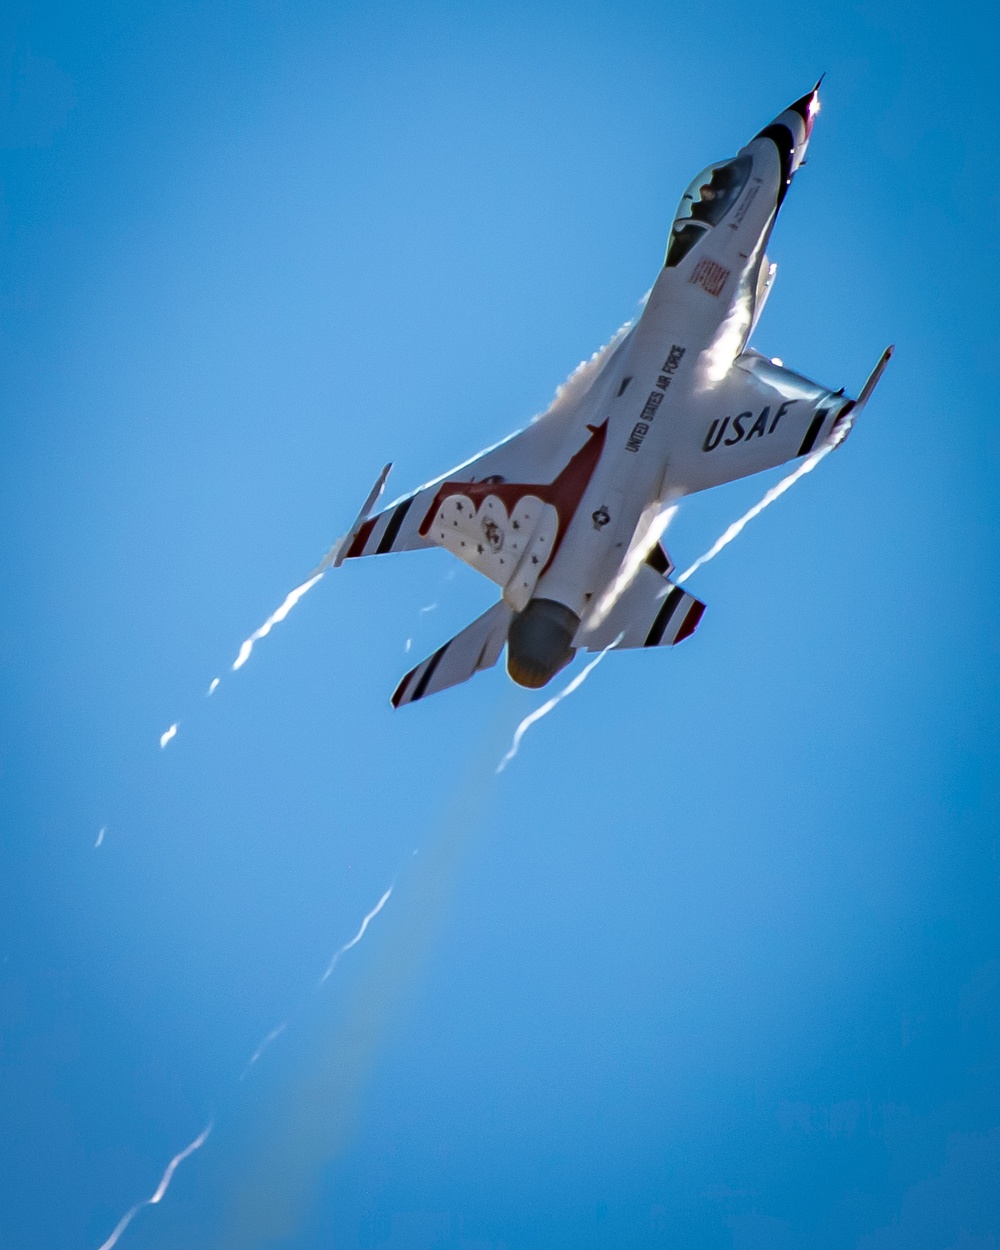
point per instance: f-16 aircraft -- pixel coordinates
(562, 515)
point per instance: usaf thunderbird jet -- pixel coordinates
(560, 514)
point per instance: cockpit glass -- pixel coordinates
(704, 204)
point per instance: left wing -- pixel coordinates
(528, 463)
(508, 530)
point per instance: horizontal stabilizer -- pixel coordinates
(478, 646)
(650, 612)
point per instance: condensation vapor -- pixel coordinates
(100, 836)
(291, 599)
(358, 936)
(273, 1036)
(547, 707)
(320, 1102)
(774, 493)
(170, 733)
(277, 1031)
(161, 1189)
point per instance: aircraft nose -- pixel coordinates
(807, 107)
(789, 132)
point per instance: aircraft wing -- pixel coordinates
(530, 459)
(760, 416)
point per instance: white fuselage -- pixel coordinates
(695, 323)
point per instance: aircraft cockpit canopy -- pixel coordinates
(704, 204)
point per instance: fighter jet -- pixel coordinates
(562, 515)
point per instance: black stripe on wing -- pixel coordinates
(423, 674)
(670, 606)
(394, 526)
(812, 434)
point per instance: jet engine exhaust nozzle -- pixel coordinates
(539, 642)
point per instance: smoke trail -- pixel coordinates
(161, 1189)
(213, 687)
(774, 493)
(170, 733)
(318, 1104)
(358, 936)
(100, 836)
(546, 708)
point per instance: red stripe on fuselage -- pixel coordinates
(564, 493)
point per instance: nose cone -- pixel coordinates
(807, 108)
(789, 132)
(798, 118)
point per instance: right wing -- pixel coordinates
(759, 416)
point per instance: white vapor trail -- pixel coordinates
(290, 601)
(213, 687)
(161, 1189)
(100, 836)
(170, 733)
(774, 493)
(273, 1036)
(277, 1031)
(546, 708)
(358, 936)
(274, 619)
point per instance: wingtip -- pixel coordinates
(873, 378)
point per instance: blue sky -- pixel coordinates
(716, 962)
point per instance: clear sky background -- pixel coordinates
(716, 962)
